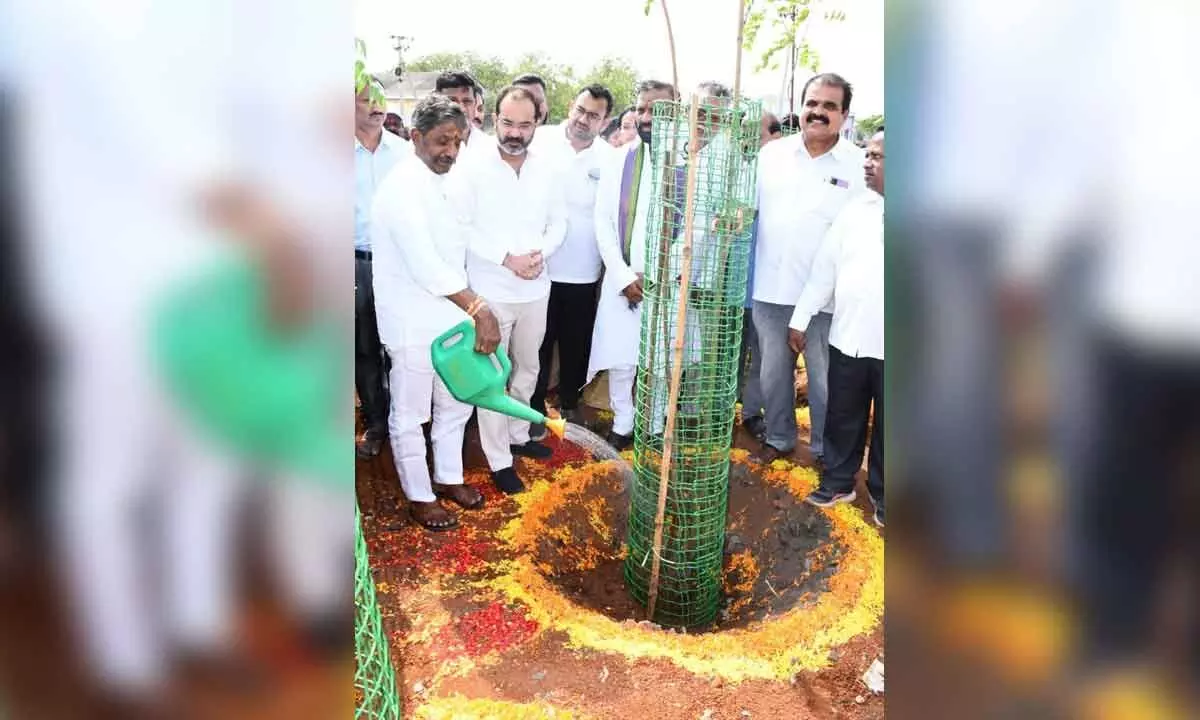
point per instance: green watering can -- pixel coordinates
(271, 398)
(480, 380)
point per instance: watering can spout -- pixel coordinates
(480, 380)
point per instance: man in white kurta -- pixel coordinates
(849, 270)
(512, 201)
(622, 213)
(420, 292)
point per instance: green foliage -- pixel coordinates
(491, 72)
(787, 20)
(362, 78)
(869, 125)
(619, 76)
(562, 81)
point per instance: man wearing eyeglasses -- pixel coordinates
(575, 268)
(511, 200)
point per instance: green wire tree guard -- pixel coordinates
(688, 588)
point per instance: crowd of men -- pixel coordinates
(537, 234)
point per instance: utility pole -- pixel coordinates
(400, 44)
(792, 72)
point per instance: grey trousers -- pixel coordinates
(777, 376)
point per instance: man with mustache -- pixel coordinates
(575, 268)
(375, 152)
(511, 199)
(422, 287)
(622, 215)
(803, 182)
(849, 271)
(464, 91)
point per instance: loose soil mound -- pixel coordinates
(778, 550)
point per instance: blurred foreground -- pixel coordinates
(1044, 330)
(154, 563)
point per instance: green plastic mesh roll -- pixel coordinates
(375, 692)
(689, 583)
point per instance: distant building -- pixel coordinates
(403, 94)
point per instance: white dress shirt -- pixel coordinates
(798, 198)
(508, 214)
(577, 260)
(370, 168)
(420, 251)
(849, 270)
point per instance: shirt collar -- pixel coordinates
(840, 150)
(389, 140)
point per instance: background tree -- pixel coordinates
(869, 125)
(491, 72)
(561, 83)
(616, 74)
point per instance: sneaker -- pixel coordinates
(619, 441)
(822, 497)
(879, 516)
(531, 449)
(507, 482)
(537, 432)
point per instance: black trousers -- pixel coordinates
(1135, 504)
(570, 317)
(854, 383)
(370, 359)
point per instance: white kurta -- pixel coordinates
(618, 328)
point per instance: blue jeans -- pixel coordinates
(749, 368)
(777, 376)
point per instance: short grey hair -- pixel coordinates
(435, 110)
(712, 88)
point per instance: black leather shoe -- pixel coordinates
(370, 444)
(619, 441)
(531, 449)
(507, 482)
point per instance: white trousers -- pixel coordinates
(417, 394)
(129, 458)
(522, 327)
(312, 545)
(620, 397)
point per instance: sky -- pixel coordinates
(580, 33)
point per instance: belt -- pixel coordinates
(362, 254)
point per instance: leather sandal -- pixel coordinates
(464, 496)
(432, 516)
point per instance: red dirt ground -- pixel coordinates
(537, 666)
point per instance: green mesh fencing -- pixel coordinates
(375, 692)
(693, 535)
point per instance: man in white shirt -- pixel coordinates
(575, 268)
(849, 270)
(537, 88)
(622, 217)
(375, 152)
(466, 92)
(803, 183)
(512, 201)
(422, 291)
